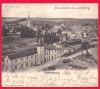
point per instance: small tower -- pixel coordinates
(40, 51)
(29, 22)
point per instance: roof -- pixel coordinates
(50, 47)
(57, 43)
(69, 48)
(74, 40)
(23, 53)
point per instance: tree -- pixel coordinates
(39, 34)
(59, 32)
(46, 37)
(85, 46)
(47, 26)
(27, 33)
(66, 60)
(4, 31)
(50, 38)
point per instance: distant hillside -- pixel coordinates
(67, 21)
(54, 20)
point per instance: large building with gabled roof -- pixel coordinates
(29, 57)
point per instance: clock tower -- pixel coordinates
(40, 51)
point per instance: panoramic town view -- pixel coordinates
(50, 45)
(39, 44)
(49, 39)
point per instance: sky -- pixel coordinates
(60, 10)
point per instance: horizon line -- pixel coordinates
(49, 18)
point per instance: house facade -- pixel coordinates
(29, 58)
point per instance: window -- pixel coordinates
(7, 61)
(21, 59)
(45, 60)
(49, 58)
(35, 62)
(26, 64)
(31, 56)
(45, 53)
(27, 57)
(16, 60)
(15, 67)
(21, 65)
(49, 52)
(31, 63)
(55, 56)
(52, 57)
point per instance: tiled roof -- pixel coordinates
(23, 53)
(50, 47)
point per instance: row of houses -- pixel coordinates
(29, 58)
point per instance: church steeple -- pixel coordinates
(29, 22)
(28, 16)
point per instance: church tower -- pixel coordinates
(29, 21)
(40, 51)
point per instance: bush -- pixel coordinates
(66, 60)
(52, 68)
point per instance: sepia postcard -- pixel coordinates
(50, 45)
